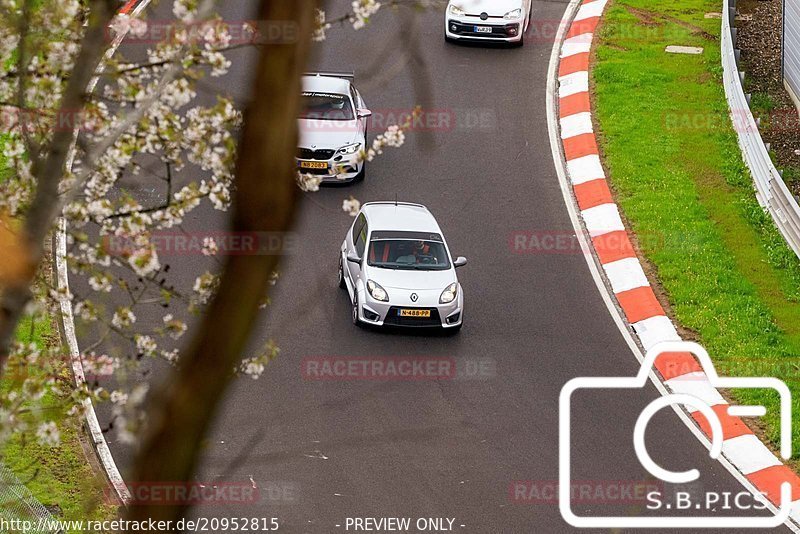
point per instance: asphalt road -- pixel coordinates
(323, 451)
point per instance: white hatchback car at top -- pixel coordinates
(396, 267)
(487, 20)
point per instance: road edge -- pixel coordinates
(617, 271)
(99, 443)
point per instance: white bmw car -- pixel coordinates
(487, 20)
(333, 128)
(396, 267)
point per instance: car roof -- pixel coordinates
(401, 216)
(326, 84)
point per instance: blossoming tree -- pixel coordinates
(78, 119)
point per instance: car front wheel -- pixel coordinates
(355, 319)
(455, 329)
(342, 284)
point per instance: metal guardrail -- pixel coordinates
(771, 190)
(17, 503)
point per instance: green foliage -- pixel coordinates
(675, 163)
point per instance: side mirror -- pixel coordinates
(460, 261)
(363, 113)
(353, 258)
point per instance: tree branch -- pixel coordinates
(45, 206)
(266, 194)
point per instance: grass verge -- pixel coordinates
(61, 478)
(678, 175)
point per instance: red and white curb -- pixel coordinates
(132, 8)
(592, 201)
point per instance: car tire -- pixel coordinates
(342, 283)
(354, 312)
(449, 39)
(454, 330)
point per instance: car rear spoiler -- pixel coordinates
(331, 74)
(394, 203)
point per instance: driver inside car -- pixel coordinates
(405, 254)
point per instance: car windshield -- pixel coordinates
(326, 106)
(410, 254)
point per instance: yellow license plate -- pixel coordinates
(313, 165)
(415, 313)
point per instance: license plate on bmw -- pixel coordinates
(483, 29)
(415, 313)
(313, 165)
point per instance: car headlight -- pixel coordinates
(515, 14)
(449, 294)
(349, 149)
(455, 10)
(377, 292)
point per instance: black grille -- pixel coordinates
(321, 154)
(314, 171)
(468, 30)
(393, 318)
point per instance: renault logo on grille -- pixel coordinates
(414, 297)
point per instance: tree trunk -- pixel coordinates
(265, 198)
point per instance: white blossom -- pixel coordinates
(320, 26)
(174, 327)
(204, 286)
(308, 182)
(119, 398)
(210, 247)
(362, 11)
(102, 365)
(253, 369)
(86, 310)
(48, 434)
(123, 318)
(351, 206)
(144, 260)
(100, 282)
(145, 345)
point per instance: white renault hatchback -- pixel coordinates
(396, 267)
(487, 20)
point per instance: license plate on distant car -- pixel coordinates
(483, 29)
(313, 165)
(415, 313)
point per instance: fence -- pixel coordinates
(771, 190)
(18, 504)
